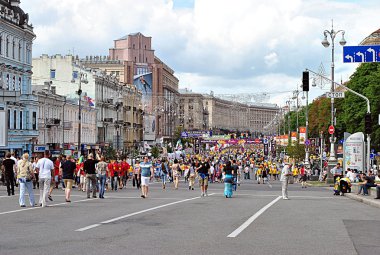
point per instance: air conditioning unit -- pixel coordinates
(108, 120)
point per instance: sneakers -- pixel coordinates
(203, 194)
(206, 194)
(285, 198)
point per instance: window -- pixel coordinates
(1, 44)
(21, 127)
(52, 73)
(19, 83)
(14, 83)
(34, 121)
(19, 51)
(14, 119)
(7, 47)
(8, 82)
(9, 119)
(13, 49)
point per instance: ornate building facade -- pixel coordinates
(18, 106)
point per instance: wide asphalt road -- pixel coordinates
(254, 221)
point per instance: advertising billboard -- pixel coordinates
(3, 129)
(354, 152)
(144, 83)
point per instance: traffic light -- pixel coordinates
(305, 81)
(368, 123)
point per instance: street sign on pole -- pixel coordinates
(331, 130)
(335, 94)
(361, 54)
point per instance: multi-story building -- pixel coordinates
(199, 111)
(58, 121)
(132, 60)
(103, 92)
(18, 106)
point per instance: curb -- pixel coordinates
(368, 201)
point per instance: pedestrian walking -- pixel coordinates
(8, 168)
(45, 167)
(36, 174)
(25, 176)
(90, 170)
(285, 174)
(203, 173)
(102, 173)
(67, 172)
(147, 174)
(164, 173)
(228, 179)
(136, 175)
(176, 173)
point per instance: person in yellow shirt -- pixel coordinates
(259, 173)
(295, 173)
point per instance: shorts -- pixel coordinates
(82, 179)
(203, 181)
(68, 183)
(145, 181)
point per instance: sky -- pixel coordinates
(224, 46)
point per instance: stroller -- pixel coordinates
(342, 186)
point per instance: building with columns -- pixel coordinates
(104, 92)
(58, 121)
(18, 106)
(203, 112)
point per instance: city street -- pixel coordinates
(254, 221)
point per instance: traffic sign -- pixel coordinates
(335, 94)
(307, 142)
(361, 54)
(331, 130)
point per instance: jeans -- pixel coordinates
(23, 186)
(163, 178)
(366, 186)
(44, 189)
(91, 179)
(102, 179)
(114, 182)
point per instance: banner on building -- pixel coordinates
(3, 129)
(302, 135)
(144, 83)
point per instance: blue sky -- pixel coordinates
(240, 46)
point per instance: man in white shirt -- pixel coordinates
(45, 167)
(350, 175)
(285, 174)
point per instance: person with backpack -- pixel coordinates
(164, 173)
(25, 176)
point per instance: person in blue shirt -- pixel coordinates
(147, 174)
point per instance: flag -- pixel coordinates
(179, 145)
(90, 101)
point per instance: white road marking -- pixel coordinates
(252, 219)
(38, 207)
(138, 197)
(136, 213)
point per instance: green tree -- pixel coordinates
(155, 151)
(366, 81)
(296, 151)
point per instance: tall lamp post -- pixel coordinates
(332, 34)
(118, 105)
(82, 77)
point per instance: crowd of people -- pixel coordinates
(98, 175)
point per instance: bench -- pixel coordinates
(355, 188)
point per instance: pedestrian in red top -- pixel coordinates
(125, 170)
(110, 175)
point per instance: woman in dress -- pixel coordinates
(228, 179)
(176, 173)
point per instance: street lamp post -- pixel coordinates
(332, 34)
(83, 77)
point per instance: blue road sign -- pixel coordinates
(361, 54)
(184, 135)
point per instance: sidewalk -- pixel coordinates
(369, 200)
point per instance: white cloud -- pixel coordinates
(220, 45)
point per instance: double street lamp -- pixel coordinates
(82, 78)
(332, 34)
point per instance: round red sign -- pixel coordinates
(331, 130)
